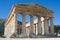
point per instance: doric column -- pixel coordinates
(15, 22)
(36, 29)
(46, 26)
(31, 24)
(43, 28)
(23, 24)
(51, 26)
(39, 25)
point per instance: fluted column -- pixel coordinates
(36, 29)
(31, 24)
(46, 26)
(51, 26)
(39, 25)
(24, 24)
(15, 22)
(48, 23)
(43, 28)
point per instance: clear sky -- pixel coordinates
(6, 5)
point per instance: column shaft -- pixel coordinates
(46, 26)
(43, 28)
(51, 26)
(31, 24)
(15, 22)
(23, 24)
(39, 25)
(36, 29)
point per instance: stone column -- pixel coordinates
(31, 25)
(46, 26)
(15, 22)
(43, 28)
(51, 26)
(23, 25)
(39, 25)
(36, 29)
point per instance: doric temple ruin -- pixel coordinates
(42, 26)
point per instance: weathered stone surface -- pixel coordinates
(11, 24)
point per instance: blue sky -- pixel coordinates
(6, 5)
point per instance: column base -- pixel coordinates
(46, 34)
(4, 36)
(32, 35)
(49, 35)
(39, 34)
(43, 36)
(23, 36)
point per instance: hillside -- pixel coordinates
(2, 21)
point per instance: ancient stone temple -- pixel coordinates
(43, 26)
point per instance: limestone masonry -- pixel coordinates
(35, 28)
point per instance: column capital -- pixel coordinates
(15, 14)
(51, 17)
(23, 14)
(45, 17)
(31, 15)
(39, 16)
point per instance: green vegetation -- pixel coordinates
(56, 28)
(2, 21)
